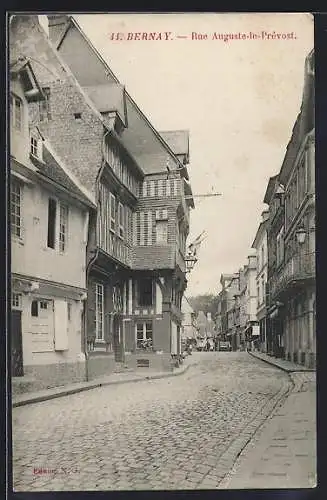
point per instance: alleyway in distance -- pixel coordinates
(182, 432)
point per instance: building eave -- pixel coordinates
(73, 22)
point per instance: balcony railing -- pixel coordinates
(298, 268)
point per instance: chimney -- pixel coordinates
(57, 25)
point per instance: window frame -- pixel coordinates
(145, 331)
(121, 221)
(160, 224)
(60, 244)
(14, 99)
(113, 220)
(63, 234)
(16, 305)
(99, 286)
(34, 146)
(19, 227)
(139, 301)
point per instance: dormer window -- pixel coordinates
(34, 149)
(16, 112)
(36, 145)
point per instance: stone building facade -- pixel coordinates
(138, 177)
(292, 284)
(50, 213)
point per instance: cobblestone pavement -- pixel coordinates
(282, 454)
(182, 432)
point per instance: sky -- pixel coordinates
(238, 98)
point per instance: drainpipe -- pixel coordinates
(89, 265)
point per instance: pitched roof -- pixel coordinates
(270, 189)
(177, 140)
(52, 168)
(133, 137)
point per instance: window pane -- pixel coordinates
(18, 113)
(63, 227)
(15, 208)
(145, 292)
(99, 306)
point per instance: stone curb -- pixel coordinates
(284, 368)
(235, 451)
(95, 385)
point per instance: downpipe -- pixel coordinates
(91, 262)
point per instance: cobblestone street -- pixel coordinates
(174, 433)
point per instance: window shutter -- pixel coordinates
(61, 325)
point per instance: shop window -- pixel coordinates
(144, 337)
(145, 292)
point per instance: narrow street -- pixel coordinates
(175, 433)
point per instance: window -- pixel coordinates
(57, 229)
(144, 339)
(69, 311)
(145, 295)
(280, 247)
(112, 212)
(121, 219)
(34, 144)
(16, 112)
(34, 308)
(43, 304)
(99, 311)
(63, 227)
(162, 231)
(77, 116)
(15, 208)
(52, 213)
(263, 288)
(262, 256)
(44, 106)
(16, 301)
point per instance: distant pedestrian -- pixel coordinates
(208, 346)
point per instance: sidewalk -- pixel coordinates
(283, 364)
(282, 453)
(112, 379)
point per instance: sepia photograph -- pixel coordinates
(162, 310)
